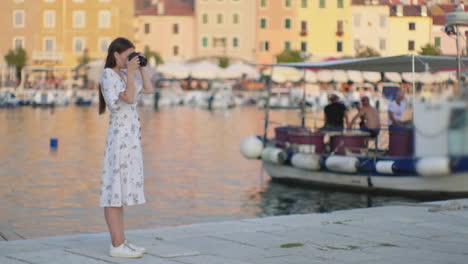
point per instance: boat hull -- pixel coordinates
(455, 185)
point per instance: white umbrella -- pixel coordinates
(229, 74)
(176, 69)
(355, 76)
(340, 76)
(393, 77)
(426, 78)
(286, 74)
(250, 71)
(372, 77)
(443, 76)
(94, 70)
(205, 70)
(408, 76)
(324, 76)
(310, 76)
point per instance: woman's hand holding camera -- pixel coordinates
(133, 64)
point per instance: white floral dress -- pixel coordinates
(122, 175)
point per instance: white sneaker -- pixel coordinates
(139, 249)
(124, 251)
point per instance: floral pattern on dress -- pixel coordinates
(122, 175)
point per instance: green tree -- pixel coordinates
(152, 54)
(366, 52)
(223, 62)
(289, 56)
(85, 59)
(17, 58)
(430, 49)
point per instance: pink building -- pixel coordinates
(439, 38)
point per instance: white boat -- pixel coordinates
(429, 159)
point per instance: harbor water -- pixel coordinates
(193, 171)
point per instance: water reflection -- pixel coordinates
(193, 171)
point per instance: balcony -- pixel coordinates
(303, 33)
(47, 55)
(339, 33)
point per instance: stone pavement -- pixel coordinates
(410, 233)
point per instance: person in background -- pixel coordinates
(369, 116)
(396, 108)
(336, 115)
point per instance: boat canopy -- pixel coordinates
(402, 63)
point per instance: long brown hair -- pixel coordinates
(117, 45)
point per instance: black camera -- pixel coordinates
(143, 60)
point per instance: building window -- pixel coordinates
(49, 44)
(287, 3)
(322, 4)
(412, 26)
(18, 18)
(205, 18)
(235, 19)
(304, 3)
(287, 45)
(147, 28)
(49, 18)
(220, 18)
(263, 23)
(437, 41)
(357, 20)
(175, 29)
(383, 44)
(304, 46)
(339, 46)
(235, 42)
(383, 21)
(287, 23)
(18, 42)
(264, 3)
(78, 45)
(175, 50)
(411, 45)
(79, 19)
(104, 44)
(340, 4)
(264, 46)
(104, 19)
(205, 42)
(339, 27)
(357, 44)
(303, 27)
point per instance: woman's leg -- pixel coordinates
(114, 220)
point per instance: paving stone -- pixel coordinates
(221, 248)
(15, 246)
(5, 260)
(54, 256)
(146, 259)
(209, 259)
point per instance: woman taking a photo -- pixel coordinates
(122, 175)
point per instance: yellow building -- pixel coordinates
(57, 32)
(370, 26)
(324, 28)
(226, 28)
(167, 27)
(410, 29)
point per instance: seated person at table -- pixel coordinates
(370, 116)
(396, 108)
(335, 113)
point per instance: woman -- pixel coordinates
(122, 175)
